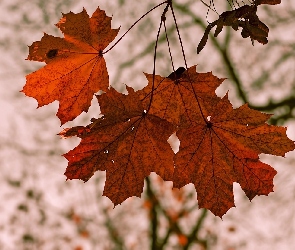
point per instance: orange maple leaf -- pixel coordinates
(225, 148)
(126, 142)
(176, 95)
(75, 67)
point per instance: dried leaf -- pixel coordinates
(75, 67)
(172, 98)
(225, 149)
(128, 143)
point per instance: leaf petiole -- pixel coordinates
(104, 52)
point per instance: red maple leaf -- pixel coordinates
(126, 142)
(176, 95)
(225, 148)
(219, 145)
(75, 67)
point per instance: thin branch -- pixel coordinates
(222, 50)
(146, 51)
(167, 39)
(185, 62)
(153, 215)
(193, 236)
(114, 236)
(104, 52)
(155, 57)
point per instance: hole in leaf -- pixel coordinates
(174, 142)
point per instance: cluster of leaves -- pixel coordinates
(244, 17)
(219, 145)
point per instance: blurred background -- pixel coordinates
(40, 210)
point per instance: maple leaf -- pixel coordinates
(224, 149)
(245, 17)
(126, 142)
(75, 67)
(179, 93)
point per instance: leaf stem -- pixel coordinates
(167, 39)
(163, 18)
(104, 52)
(179, 37)
(185, 62)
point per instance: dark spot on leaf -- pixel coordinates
(51, 53)
(176, 74)
(209, 124)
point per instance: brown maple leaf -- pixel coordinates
(126, 142)
(75, 67)
(245, 17)
(225, 148)
(179, 93)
